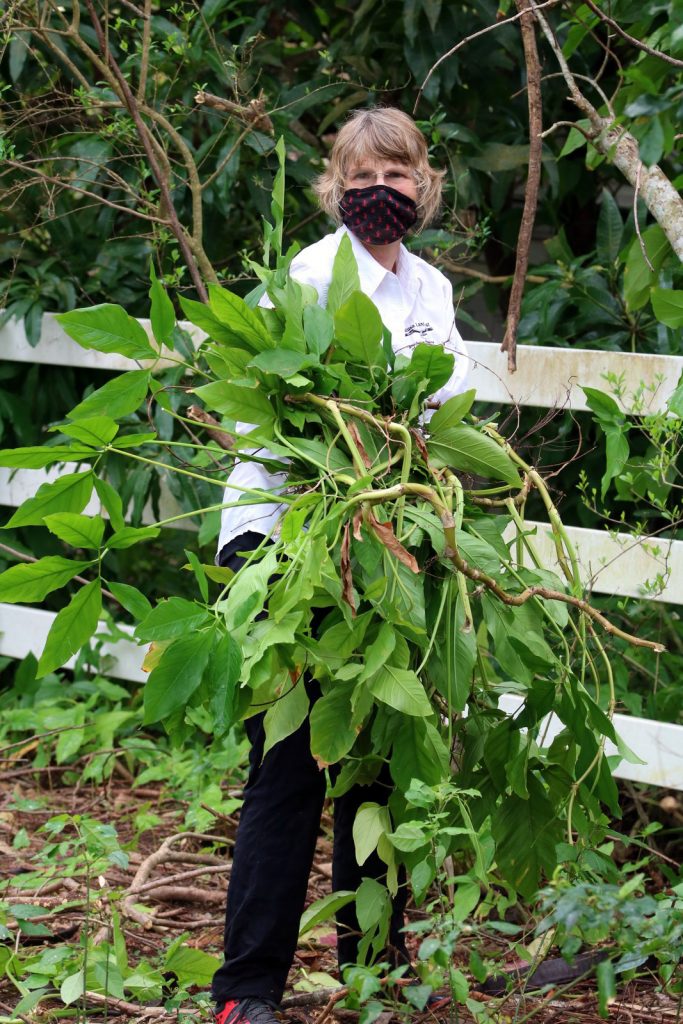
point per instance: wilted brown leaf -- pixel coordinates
(346, 574)
(385, 532)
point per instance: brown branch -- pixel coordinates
(144, 51)
(213, 427)
(535, 103)
(638, 43)
(254, 112)
(145, 138)
(480, 275)
(181, 876)
(122, 1006)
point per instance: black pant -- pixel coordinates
(273, 854)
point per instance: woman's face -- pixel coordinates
(375, 171)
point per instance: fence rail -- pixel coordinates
(611, 563)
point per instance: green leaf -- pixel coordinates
(93, 430)
(107, 328)
(162, 313)
(77, 530)
(431, 363)
(70, 493)
(371, 823)
(607, 986)
(610, 229)
(667, 304)
(451, 412)
(282, 362)
(129, 535)
(373, 903)
(377, 653)
(72, 988)
(575, 139)
(525, 832)
(418, 753)
(245, 324)
(285, 716)
(39, 457)
(132, 599)
(466, 449)
(606, 410)
(345, 279)
(617, 451)
(199, 314)
(401, 689)
(222, 679)
(675, 401)
(638, 277)
(32, 581)
(192, 966)
(358, 330)
(72, 627)
(117, 398)
(239, 402)
(176, 677)
(332, 734)
(323, 909)
(172, 618)
(318, 329)
(111, 502)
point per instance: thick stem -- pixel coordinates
(535, 103)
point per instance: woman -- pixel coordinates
(378, 185)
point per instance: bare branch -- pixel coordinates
(533, 74)
(144, 50)
(145, 137)
(254, 112)
(621, 148)
(638, 43)
(213, 427)
(468, 39)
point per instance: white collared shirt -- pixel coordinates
(415, 304)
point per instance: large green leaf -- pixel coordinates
(172, 618)
(77, 530)
(283, 362)
(245, 323)
(107, 328)
(72, 627)
(358, 330)
(117, 398)
(285, 715)
(199, 314)
(638, 276)
(246, 403)
(70, 493)
(323, 909)
(610, 229)
(222, 679)
(38, 457)
(176, 676)
(418, 753)
(431, 363)
(318, 329)
(332, 734)
(526, 832)
(93, 430)
(162, 313)
(345, 279)
(466, 449)
(667, 304)
(372, 822)
(401, 689)
(32, 581)
(451, 412)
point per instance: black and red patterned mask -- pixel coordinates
(378, 214)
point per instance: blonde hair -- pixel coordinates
(382, 133)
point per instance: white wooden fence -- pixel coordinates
(546, 378)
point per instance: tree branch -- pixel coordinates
(638, 43)
(621, 148)
(145, 137)
(526, 227)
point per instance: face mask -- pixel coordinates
(377, 214)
